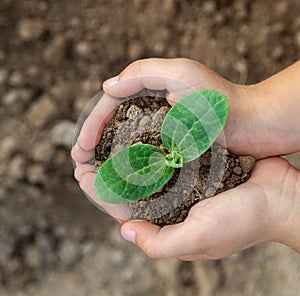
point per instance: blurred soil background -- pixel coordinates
(54, 55)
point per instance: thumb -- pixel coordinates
(156, 242)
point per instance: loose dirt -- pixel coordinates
(139, 120)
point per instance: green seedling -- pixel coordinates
(189, 129)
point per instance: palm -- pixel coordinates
(228, 222)
(245, 215)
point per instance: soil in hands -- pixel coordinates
(139, 120)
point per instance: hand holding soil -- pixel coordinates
(263, 209)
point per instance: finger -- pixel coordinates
(177, 76)
(82, 169)
(93, 126)
(169, 241)
(80, 155)
(120, 212)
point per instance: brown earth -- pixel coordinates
(139, 120)
(54, 55)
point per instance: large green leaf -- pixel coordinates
(194, 123)
(132, 173)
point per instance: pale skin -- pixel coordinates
(264, 122)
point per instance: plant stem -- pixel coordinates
(174, 160)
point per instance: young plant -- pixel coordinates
(189, 129)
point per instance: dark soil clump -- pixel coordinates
(217, 170)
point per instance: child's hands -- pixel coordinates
(263, 209)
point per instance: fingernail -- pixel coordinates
(129, 235)
(111, 81)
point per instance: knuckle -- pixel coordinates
(150, 250)
(135, 67)
(152, 253)
(185, 61)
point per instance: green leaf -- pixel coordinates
(174, 160)
(194, 123)
(132, 173)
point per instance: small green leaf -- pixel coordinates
(132, 173)
(174, 160)
(194, 123)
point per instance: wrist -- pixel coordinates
(291, 236)
(278, 99)
(261, 116)
(289, 227)
(244, 129)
